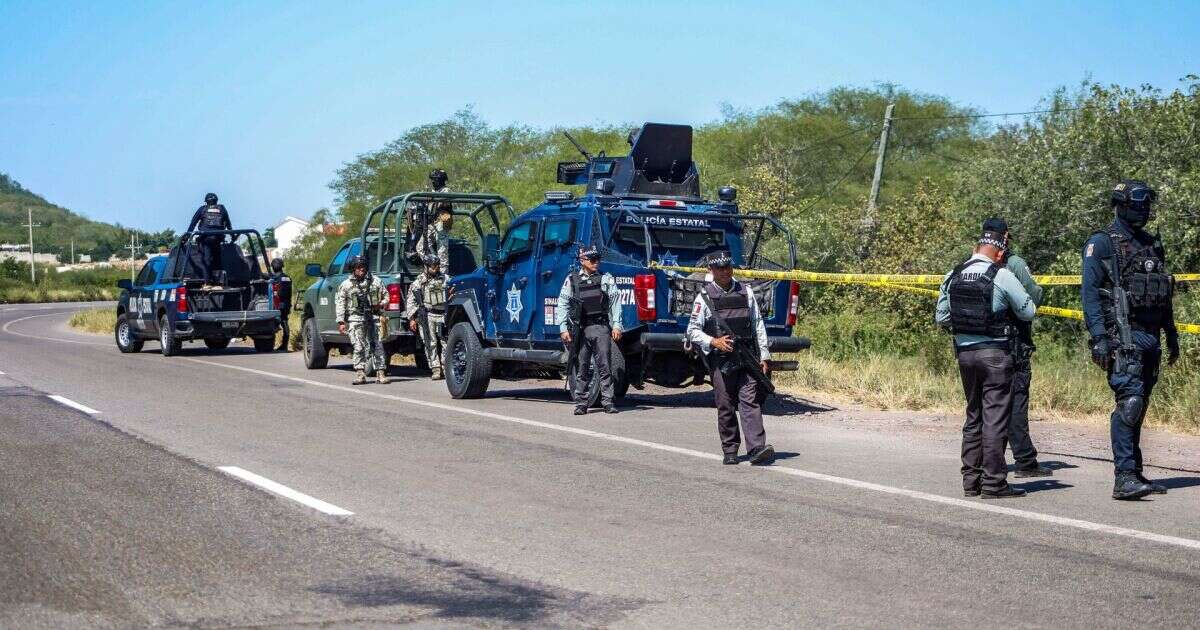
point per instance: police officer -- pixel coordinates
(737, 393)
(210, 217)
(285, 300)
(1024, 453)
(1127, 305)
(980, 302)
(359, 298)
(589, 305)
(426, 311)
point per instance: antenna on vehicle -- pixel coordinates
(578, 146)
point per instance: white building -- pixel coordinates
(288, 231)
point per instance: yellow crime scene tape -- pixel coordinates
(906, 282)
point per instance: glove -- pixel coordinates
(1101, 352)
(1172, 349)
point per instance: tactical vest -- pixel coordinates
(1142, 272)
(212, 218)
(971, 304)
(590, 292)
(733, 308)
(360, 293)
(434, 296)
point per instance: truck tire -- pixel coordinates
(217, 343)
(264, 344)
(316, 355)
(127, 340)
(619, 375)
(616, 368)
(170, 345)
(468, 371)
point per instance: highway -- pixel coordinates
(231, 488)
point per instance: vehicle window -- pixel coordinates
(339, 260)
(674, 238)
(558, 232)
(518, 240)
(146, 275)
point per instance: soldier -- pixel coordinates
(722, 307)
(426, 311)
(436, 239)
(980, 302)
(425, 223)
(210, 217)
(285, 300)
(589, 315)
(359, 299)
(1024, 453)
(1127, 304)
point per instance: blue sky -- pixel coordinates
(130, 111)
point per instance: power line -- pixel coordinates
(850, 171)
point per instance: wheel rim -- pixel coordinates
(123, 333)
(164, 336)
(458, 364)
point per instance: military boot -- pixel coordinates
(360, 377)
(1156, 488)
(382, 377)
(438, 375)
(1127, 487)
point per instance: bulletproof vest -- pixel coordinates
(1142, 272)
(212, 218)
(733, 308)
(362, 297)
(591, 294)
(971, 304)
(435, 295)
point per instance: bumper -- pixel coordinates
(674, 341)
(229, 324)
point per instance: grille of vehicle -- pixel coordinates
(684, 290)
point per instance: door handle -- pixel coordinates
(547, 273)
(522, 282)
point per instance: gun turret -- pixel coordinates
(659, 165)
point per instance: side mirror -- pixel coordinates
(492, 260)
(313, 270)
(125, 283)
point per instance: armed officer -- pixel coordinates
(589, 316)
(1024, 453)
(426, 311)
(210, 217)
(359, 299)
(1127, 304)
(285, 301)
(430, 223)
(980, 302)
(725, 315)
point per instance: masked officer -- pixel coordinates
(359, 299)
(589, 315)
(210, 217)
(426, 311)
(285, 300)
(425, 219)
(980, 302)
(1127, 295)
(1024, 453)
(737, 393)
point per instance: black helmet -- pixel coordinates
(431, 260)
(277, 265)
(210, 198)
(438, 177)
(356, 262)
(1132, 199)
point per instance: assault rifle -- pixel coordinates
(741, 355)
(366, 310)
(1126, 358)
(574, 328)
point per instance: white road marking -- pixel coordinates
(284, 491)
(62, 400)
(783, 470)
(12, 332)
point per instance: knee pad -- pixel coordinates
(1131, 410)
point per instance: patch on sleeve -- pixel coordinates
(696, 311)
(1090, 248)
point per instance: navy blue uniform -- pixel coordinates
(1131, 388)
(210, 218)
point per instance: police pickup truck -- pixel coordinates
(639, 209)
(177, 298)
(391, 232)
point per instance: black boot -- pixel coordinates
(1156, 488)
(580, 410)
(1008, 492)
(1037, 470)
(730, 459)
(1127, 487)
(762, 455)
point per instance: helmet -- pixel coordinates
(277, 265)
(356, 262)
(438, 177)
(431, 260)
(591, 252)
(1132, 199)
(210, 198)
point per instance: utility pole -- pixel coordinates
(31, 225)
(868, 222)
(134, 247)
(72, 250)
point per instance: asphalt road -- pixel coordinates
(511, 511)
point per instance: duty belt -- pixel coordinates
(595, 320)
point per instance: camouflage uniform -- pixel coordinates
(368, 349)
(428, 293)
(435, 239)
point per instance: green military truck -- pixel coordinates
(390, 233)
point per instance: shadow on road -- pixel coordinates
(639, 401)
(1179, 482)
(1042, 485)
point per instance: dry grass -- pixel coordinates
(100, 321)
(29, 295)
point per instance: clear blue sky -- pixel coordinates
(130, 111)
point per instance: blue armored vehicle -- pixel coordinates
(642, 208)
